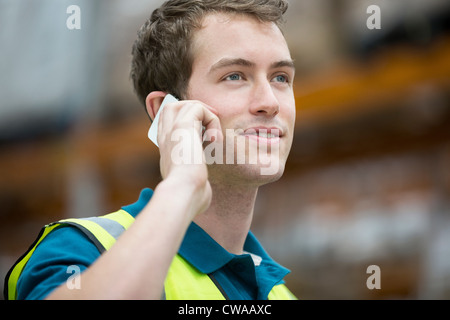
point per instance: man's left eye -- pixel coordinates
(281, 78)
(234, 77)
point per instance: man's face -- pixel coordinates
(243, 69)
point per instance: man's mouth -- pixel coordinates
(264, 134)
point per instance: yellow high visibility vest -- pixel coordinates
(183, 281)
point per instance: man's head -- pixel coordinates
(232, 56)
(162, 53)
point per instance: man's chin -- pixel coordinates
(246, 174)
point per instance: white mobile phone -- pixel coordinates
(153, 132)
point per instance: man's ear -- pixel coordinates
(153, 102)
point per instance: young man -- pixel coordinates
(229, 64)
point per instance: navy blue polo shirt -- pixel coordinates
(251, 275)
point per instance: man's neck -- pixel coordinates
(229, 216)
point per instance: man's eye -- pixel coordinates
(234, 77)
(281, 78)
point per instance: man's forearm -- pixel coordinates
(136, 266)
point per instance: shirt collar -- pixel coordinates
(202, 251)
(206, 255)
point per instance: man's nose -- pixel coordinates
(264, 101)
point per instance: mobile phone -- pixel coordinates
(153, 132)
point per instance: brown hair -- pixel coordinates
(162, 57)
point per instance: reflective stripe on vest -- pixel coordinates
(183, 281)
(102, 231)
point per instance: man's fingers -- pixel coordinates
(191, 113)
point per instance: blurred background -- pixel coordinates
(368, 179)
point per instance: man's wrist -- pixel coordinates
(185, 195)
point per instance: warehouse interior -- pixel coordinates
(368, 178)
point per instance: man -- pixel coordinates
(229, 64)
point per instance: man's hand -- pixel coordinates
(192, 118)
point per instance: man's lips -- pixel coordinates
(273, 132)
(264, 134)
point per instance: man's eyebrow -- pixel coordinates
(283, 63)
(227, 62)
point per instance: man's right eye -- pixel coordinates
(234, 77)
